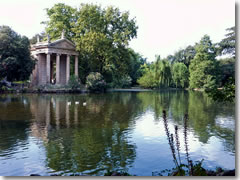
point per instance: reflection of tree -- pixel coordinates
(14, 114)
(201, 109)
(98, 140)
(155, 101)
(11, 134)
(202, 115)
(227, 136)
(179, 105)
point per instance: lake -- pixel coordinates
(123, 131)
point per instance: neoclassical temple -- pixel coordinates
(53, 61)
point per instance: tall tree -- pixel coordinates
(41, 37)
(136, 62)
(180, 75)
(227, 68)
(183, 55)
(203, 66)
(162, 72)
(15, 60)
(101, 36)
(227, 45)
(61, 17)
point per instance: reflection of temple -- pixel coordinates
(55, 114)
(53, 61)
(81, 138)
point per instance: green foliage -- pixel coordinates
(41, 37)
(181, 169)
(121, 82)
(180, 75)
(226, 94)
(227, 70)
(156, 75)
(162, 72)
(183, 55)
(95, 82)
(73, 83)
(61, 17)
(101, 36)
(15, 60)
(203, 68)
(227, 45)
(135, 67)
(148, 79)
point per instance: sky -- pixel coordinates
(164, 26)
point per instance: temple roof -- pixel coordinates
(60, 46)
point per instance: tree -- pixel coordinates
(15, 60)
(61, 17)
(180, 75)
(136, 62)
(101, 36)
(203, 68)
(147, 80)
(183, 55)
(162, 72)
(227, 69)
(227, 45)
(41, 37)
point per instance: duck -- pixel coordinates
(85, 103)
(69, 103)
(76, 102)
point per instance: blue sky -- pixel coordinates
(165, 26)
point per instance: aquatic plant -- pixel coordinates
(181, 169)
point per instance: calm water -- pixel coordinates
(45, 134)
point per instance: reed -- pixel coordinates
(170, 139)
(186, 141)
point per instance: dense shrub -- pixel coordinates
(73, 83)
(95, 82)
(147, 80)
(123, 82)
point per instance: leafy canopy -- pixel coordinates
(203, 67)
(16, 63)
(180, 75)
(101, 36)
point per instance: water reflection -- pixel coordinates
(114, 131)
(86, 139)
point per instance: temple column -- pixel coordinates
(57, 113)
(48, 64)
(34, 75)
(76, 66)
(47, 117)
(67, 115)
(67, 68)
(76, 115)
(58, 69)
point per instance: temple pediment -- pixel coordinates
(62, 44)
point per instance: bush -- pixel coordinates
(74, 83)
(122, 82)
(147, 80)
(95, 82)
